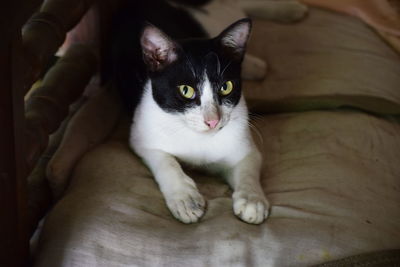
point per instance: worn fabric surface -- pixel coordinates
(332, 179)
(383, 258)
(328, 60)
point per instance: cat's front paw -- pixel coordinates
(251, 207)
(187, 205)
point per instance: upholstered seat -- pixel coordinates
(332, 175)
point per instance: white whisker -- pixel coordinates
(257, 131)
(190, 66)
(227, 65)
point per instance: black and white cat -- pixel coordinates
(189, 108)
(193, 111)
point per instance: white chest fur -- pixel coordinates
(155, 129)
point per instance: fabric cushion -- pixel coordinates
(334, 190)
(326, 61)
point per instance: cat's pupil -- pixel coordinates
(185, 90)
(224, 87)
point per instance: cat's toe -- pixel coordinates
(187, 207)
(252, 208)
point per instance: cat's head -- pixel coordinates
(197, 80)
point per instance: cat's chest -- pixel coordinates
(200, 149)
(224, 147)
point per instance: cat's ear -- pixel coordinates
(159, 50)
(233, 39)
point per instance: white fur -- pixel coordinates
(162, 139)
(208, 110)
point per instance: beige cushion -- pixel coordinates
(326, 61)
(332, 179)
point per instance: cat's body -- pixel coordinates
(190, 109)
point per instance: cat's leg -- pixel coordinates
(249, 201)
(180, 192)
(282, 11)
(253, 68)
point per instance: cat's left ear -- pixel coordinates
(159, 50)
(233, 39)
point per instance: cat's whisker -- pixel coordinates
(256, 117)
(218, 71)
(218, 65)
(190, 65)
(227, 65)
(257, 131)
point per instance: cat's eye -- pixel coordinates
(226, 88)
(187, 91)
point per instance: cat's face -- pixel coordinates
(197, 80)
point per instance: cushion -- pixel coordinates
(328, 60)
(334, 190)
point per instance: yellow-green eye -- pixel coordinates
(226, 89)
(187, 91)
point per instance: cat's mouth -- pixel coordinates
(209, 123)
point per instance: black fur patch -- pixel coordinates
(196, 58)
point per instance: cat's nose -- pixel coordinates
(212, 123)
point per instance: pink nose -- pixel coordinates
(212, 123)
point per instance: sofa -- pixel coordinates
(326, 121)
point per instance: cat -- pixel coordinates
(188, 106)
(193, 111)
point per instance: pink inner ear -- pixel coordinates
(158, 48)
(236, 36)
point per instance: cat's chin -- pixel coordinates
(199, 128)
(208, 131)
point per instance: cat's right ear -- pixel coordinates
(158, 49)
